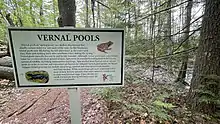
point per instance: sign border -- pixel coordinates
(10, 29)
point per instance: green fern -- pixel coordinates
(163, 104)
(205, 92)
(136, 107)
(208, 91)
(110, 94)
(160, 113)
(209, 100)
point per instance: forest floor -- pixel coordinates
(47, 106)
(140, 101)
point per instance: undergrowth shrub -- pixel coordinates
(209, 93)
(109, 94)
(132, 98)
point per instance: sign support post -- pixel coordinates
(75, 106)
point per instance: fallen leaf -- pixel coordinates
(142, 121)
(166, 122)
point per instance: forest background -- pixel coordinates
(167, 46)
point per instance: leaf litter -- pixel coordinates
(140, 101)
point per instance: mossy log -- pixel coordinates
(6, 73)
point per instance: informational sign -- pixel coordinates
(67, 57)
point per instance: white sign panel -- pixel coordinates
(67, 57)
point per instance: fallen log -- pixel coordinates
(6, 61)
(6, 73)
(3, 54)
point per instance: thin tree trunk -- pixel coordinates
(93, 11)
(31, 13)
(98, 14)
(159, 26)
(54, 12)
(169, 37)
(41, 13)
(152, 26)
(136, 24)
(87, 14)
(10, 21)
(129, 21)
(182, 72)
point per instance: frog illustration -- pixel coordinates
(104, 46)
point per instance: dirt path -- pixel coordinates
(48, 106)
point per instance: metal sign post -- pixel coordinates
(75, 105)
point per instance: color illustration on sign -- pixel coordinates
(37, 76)
(104, 46)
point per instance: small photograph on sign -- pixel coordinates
(37, 76)
(102, 47)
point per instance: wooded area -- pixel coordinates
(172, 72)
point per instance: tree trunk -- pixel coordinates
(93, 11)
(54, 12)
(152, 27)
(10, 21)
(182, 73)
(41, 13)
(135, 24)
(168, 42)
(67, 10)
(31, 13)
(98, 16)
(87, 14)
(207, 65)
(129, 21)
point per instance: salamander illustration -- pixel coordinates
(104, 46)
(37, 76)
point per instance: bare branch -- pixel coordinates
(164, 56)
(188, 25)
(180, 52)
(186, 39)
(161, 11)
(103, 4)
